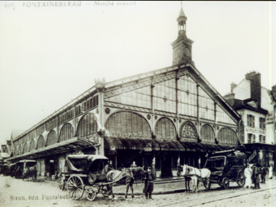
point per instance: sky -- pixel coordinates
(51, 52)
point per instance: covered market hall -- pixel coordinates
(163, 118)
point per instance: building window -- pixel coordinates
(87, 125)
(227, 136)
(262, 123)
(250, 121)
(66, 132)
(253, 138)
(165, 129)
(263, 139)
(249, 138)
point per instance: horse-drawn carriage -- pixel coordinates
(86, 173)
(22, 169)
(227, 166)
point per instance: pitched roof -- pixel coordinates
(193, 70)
(242, 104)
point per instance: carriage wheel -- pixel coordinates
(105, 192)
(241, 179)
(207, 183)
(75, 187)
(225, 183)
(92, 192)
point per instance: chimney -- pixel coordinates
(233, 85)
(230, 98)
(255, 86)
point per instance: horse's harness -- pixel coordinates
(199, 176)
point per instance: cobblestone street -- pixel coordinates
(43, 194)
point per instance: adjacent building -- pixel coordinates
(257, 107)
(163, 118)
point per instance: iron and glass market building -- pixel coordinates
(163, 118)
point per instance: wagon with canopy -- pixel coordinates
(86, 174)
(227, 166)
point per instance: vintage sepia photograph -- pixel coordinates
(137, 104)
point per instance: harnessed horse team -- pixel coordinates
(195, 175)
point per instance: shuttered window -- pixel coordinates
(66, 132)
(32, 145)
(227, 136)
(41, 142)
(87, 125)
(128, 124)
(52, 138)
(207, 133)
(165, 129)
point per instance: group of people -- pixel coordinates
(148, 178)
(254, 174)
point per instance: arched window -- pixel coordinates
(32, 145)
(128, 124)
(227, 136)
(165, 129)
(51, 138)
(25, 148)
(41, 142)
(188, 131)
(66, 132)
(87, 125)
(207, 133)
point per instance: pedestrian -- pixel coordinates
(248, 175)
(256, 176)
(270, 173)
(148, 183)
(263, 174)
(133, 165)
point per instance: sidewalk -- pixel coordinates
(171, 185)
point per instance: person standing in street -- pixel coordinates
(256, 176)
(263, 174)
(148, 183)
(270, 172)
(248, 175)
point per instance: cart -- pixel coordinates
(86, 175)
(227, 166)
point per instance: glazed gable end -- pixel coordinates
(177, 93)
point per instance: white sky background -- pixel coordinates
(50, 55)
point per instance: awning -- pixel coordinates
(170, 145)
(193, 146)
(119, 143)
(58, 148)
(227, 147)
(212, 147)
(115, 143)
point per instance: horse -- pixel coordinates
(186, 176)
(195, 174)
(114, 176)
(30, 172)
(131, 174)
(128, 173)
